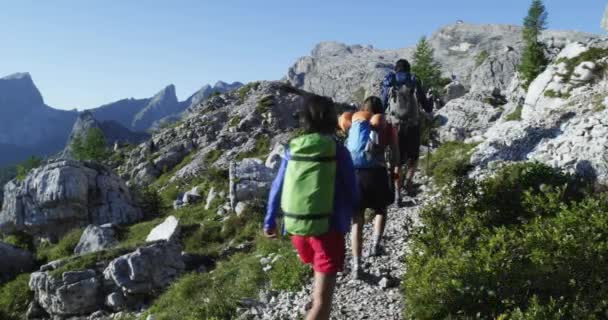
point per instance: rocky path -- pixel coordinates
(376, 296)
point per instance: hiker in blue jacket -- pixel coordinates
(408, 127)
(324, 250)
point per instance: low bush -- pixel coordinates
(449, 162)
(63, 249)
(15, 297)
(515, 115)
(528, 243)
(481, 58)
(26, 166)
(265, 104)
(243, 91)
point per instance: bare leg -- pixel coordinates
(379, 223)
(322, 296)
(356, 234)
(412, 165)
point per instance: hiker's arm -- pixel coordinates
(274, 199)
(346, 174)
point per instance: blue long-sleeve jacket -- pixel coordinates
(400, 78)
(346, 199)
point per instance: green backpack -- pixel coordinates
(307, 199)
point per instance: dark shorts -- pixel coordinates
(375, 188)
(409, 143)
(325, 252)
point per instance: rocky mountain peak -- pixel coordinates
(18, 91)
(166, 95)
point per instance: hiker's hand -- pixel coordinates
(270, 233)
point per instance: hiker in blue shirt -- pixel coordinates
(407, 122)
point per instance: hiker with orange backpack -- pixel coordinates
(368, 137)
(316, 192)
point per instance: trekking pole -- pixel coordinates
(430, 144)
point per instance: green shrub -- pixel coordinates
(91, 146)
(449, 162)
(28, 165)
(513, 246)
(593, 54)
(234, 121)
(515, 115)
(151, 202)
(481, 57)
(212, 295)
(21, 240)
(265, 104)
(243, 91)
(261, 149)
(63, 249)
(15, 297)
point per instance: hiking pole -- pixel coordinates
(430, 144)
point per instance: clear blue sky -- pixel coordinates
(82, 54)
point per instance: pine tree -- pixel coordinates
(425, 67)
(91, 147)
(533, 60)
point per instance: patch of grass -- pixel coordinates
(265, 104)
(260, 150)
(21, 240)
(481, 58)
(553, 94)
(134, 235)
(89, 261)
(213, 155)
(234, 121)
(15, 296)
(243, 91)
(598, 102)
(163, 180)
(449, 162)
(593, 55)
(213, 295)
(63, 249)
(515, 115)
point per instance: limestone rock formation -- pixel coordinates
(65, 194)
(346, 72)
(462, 119)
(166, 231)
(249, 179)
(96, 238)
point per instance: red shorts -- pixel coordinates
(325, 252)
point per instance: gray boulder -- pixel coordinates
(454, 90)
(250, 179)
(14, 261)
(166, 231)
(96, 238)
(76, 293)
(65, 194)
(148, 269)
(463, 119)
(192, 196)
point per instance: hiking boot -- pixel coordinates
(375, 251)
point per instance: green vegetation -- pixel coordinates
(450, 162)
(553, 94)
(234, 121)
(425, 67)
(533, 60)
(261, 149)
(598, 102)
(163, 180)
(90, 147)
(265, 104)
(21, 240)
(528, 243)
(26, 166)
(217, 294)
(213, 155)
(359, 95)
(481, 58)
(593, 55)
(63, 249)
(515, 115)
(89, 260)
(243, 91)
(15, 297)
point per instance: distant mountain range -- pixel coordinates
(30, 127)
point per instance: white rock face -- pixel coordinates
(462, 119)
(249, 179)
(167, 231)
(65, 194)
(96, 238)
